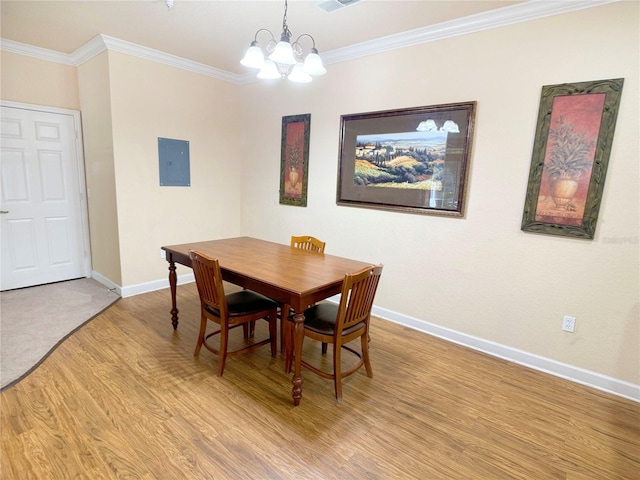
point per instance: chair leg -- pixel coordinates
(364, 341)
(337, 370)
(224, 343)
(288, 347)
(284, 313)
(282, 334)
(203, 328)
(289, 357)
(273, 332)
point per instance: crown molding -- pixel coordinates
(86, 52)
(146, 53)
(501, 17)
(511, 15)
(12, 46)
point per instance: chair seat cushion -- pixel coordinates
(321, 318)
(245, 302)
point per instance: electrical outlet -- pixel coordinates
(568, 323)
(163, 254)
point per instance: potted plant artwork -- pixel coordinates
(567, 161)
(574, 136)
(295, 150)
(294, 159)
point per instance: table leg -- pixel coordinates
(298, 337)
(173, 280)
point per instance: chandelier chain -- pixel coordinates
(285, 28)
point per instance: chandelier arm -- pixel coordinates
(313, 41)
(255, 37)
(297, 46)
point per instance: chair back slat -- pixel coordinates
(358, 292)
(307, 242)
(209, 281)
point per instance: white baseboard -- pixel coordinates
(155, 285)
(140, 288)
(106, 282)
(536, 362)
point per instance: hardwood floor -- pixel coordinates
(124, 398)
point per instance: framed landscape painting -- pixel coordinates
(576, 122)
(414, 160)
(294, 159)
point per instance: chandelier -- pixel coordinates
(286, 59)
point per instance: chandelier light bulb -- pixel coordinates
(254, 58)
(269, 71)
(298, 74)
(283, 53)
(313, 64)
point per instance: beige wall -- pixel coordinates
(38, 82)
(99, 160)
(480, 275)
(151, 100)
(127, 103)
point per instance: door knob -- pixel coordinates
(4, 211)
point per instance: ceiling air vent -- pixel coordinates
(330, 6)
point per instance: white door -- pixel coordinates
(44, 237)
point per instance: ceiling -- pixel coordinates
(217, 32)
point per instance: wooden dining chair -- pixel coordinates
(307, 242)
(303, 242)
(229, 311)
(339, 325)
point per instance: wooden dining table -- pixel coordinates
(290, 276)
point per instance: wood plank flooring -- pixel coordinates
(124, 398)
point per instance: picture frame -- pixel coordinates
(574, 134)
(294, 159)
(412, 160)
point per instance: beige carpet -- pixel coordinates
(35, 320)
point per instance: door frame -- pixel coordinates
(82, 182)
